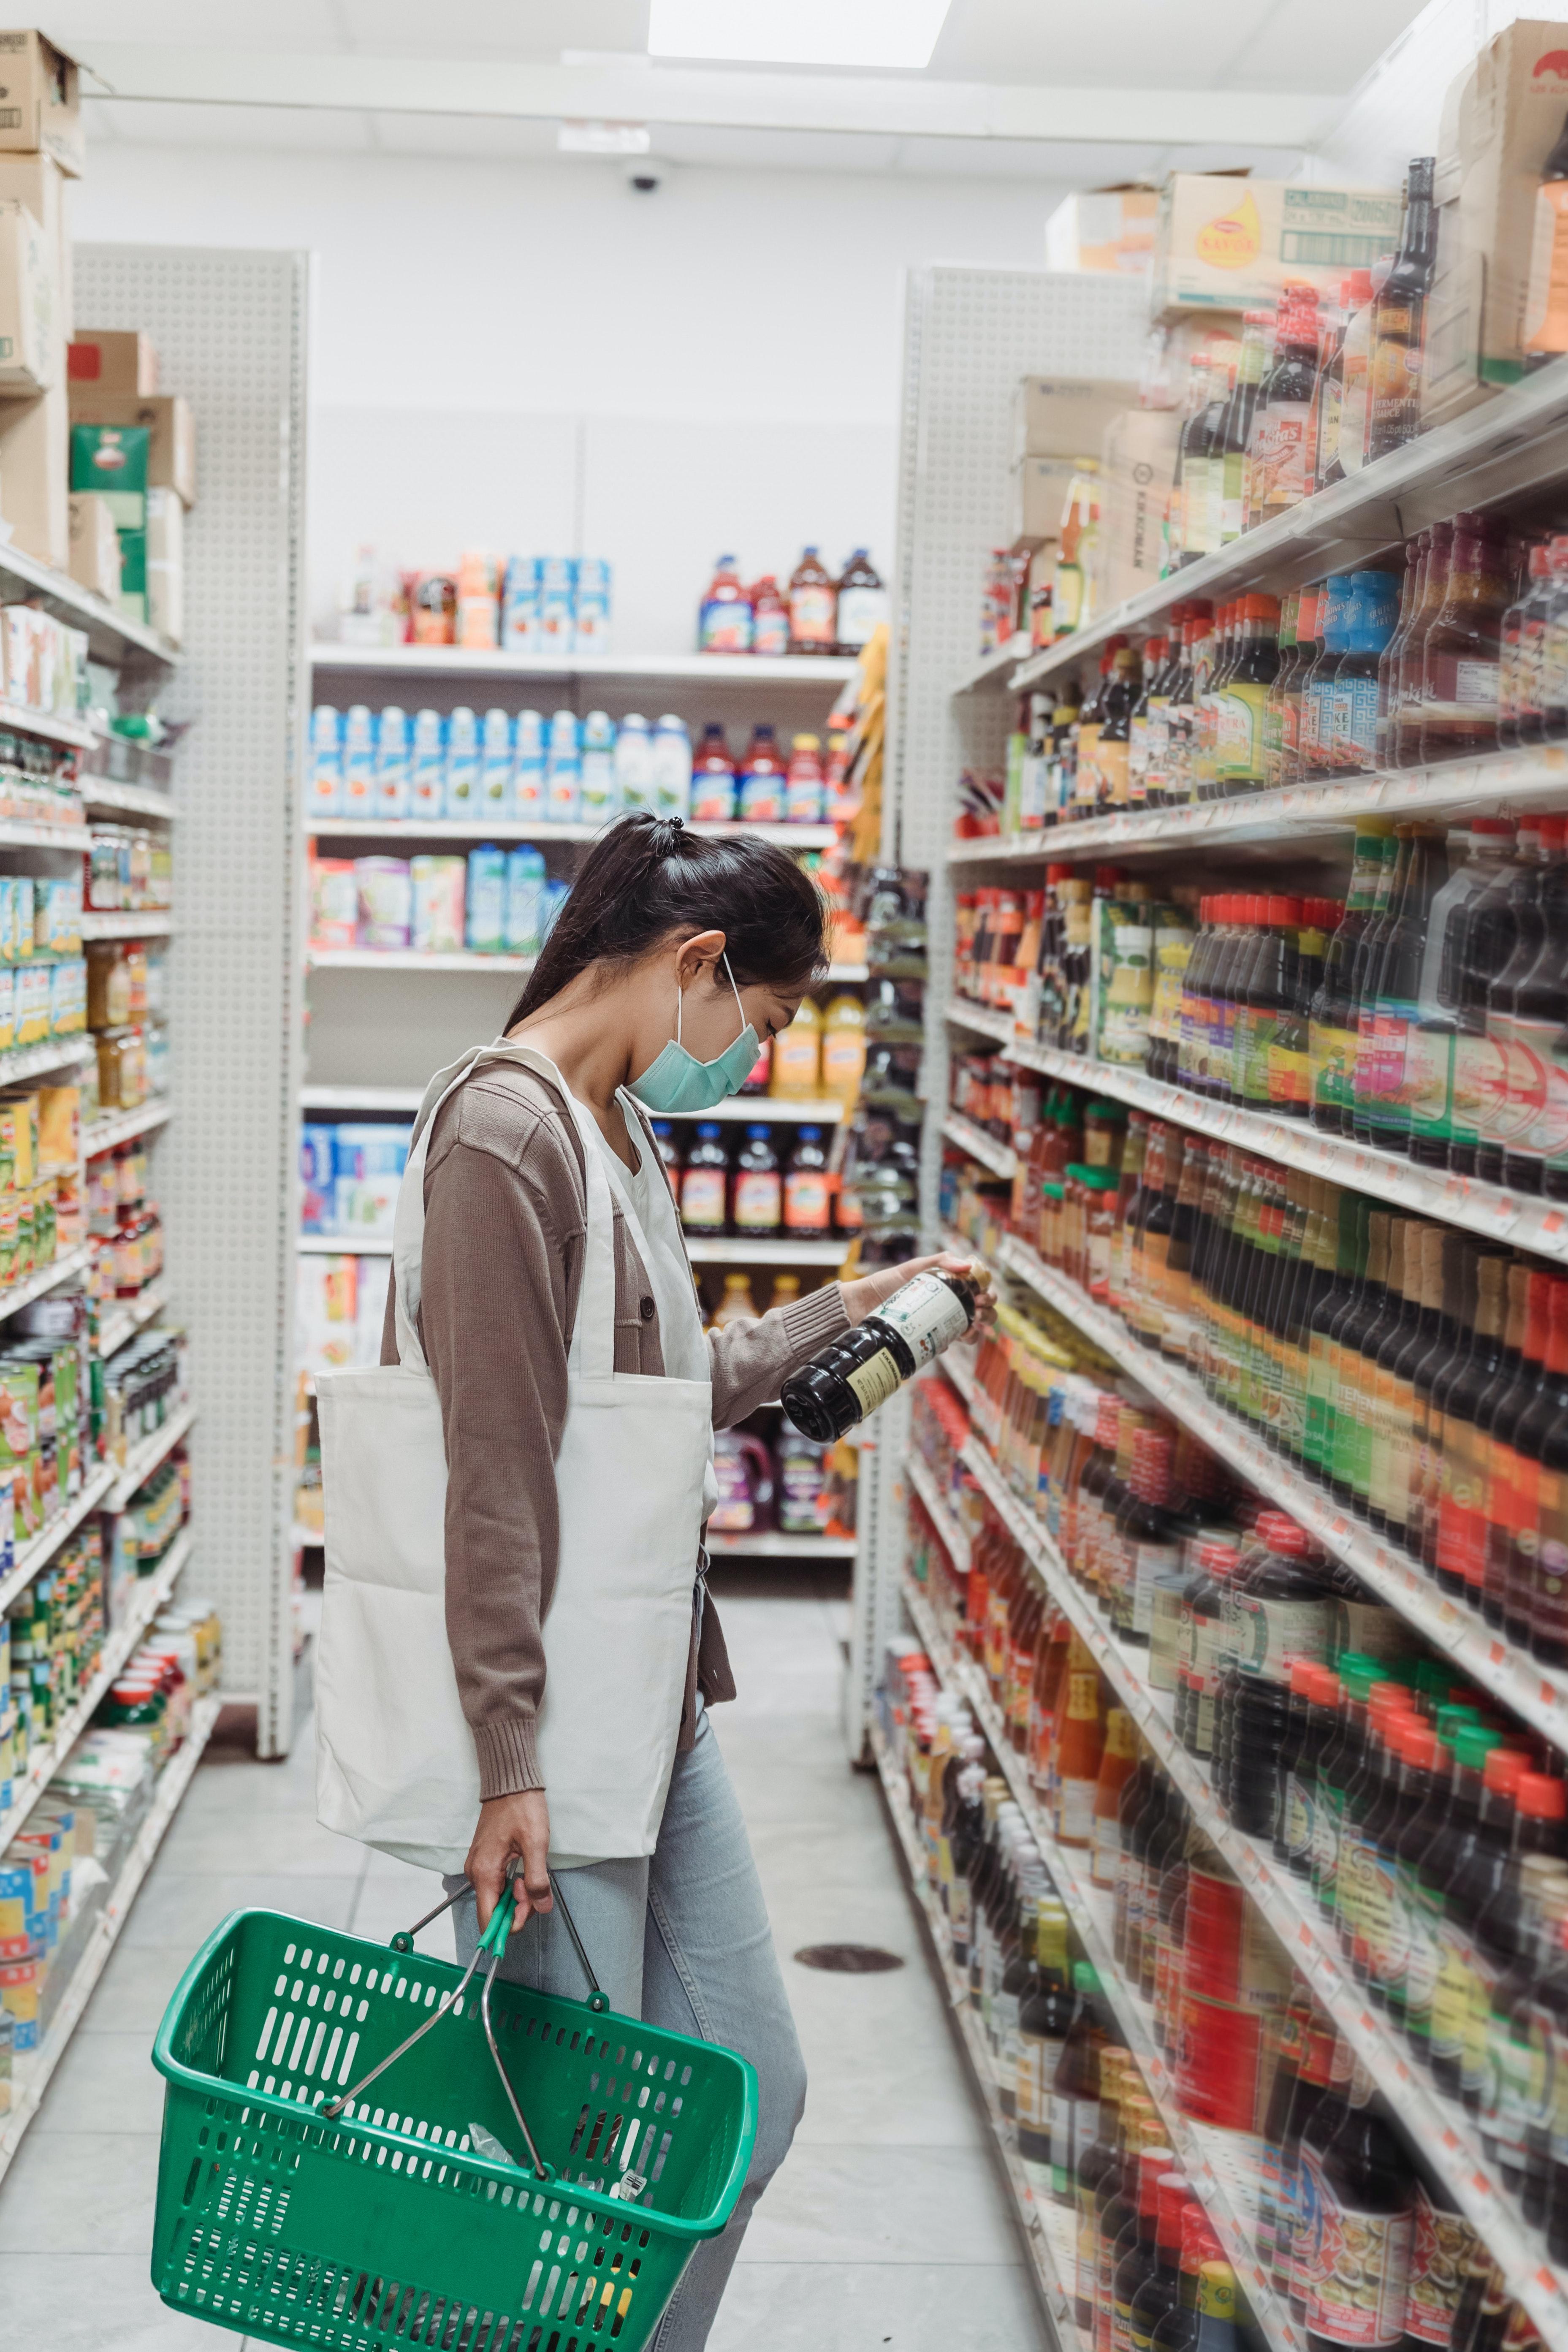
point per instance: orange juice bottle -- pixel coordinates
(797, 1056)
(843, 1048)
(1080, 1743)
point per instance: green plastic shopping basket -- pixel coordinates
(294, 2209)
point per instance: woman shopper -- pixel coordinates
(557, 1313)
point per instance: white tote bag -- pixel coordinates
(395, 1763)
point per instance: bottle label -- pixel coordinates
(1074, 2123)
(1332, 1053)
(758, 1199)
(1441, 2249)
(1151, 1561)
(1278, 459)
(806, 1200)
(811, 616)
(927, 1314)
(875, 1381)
(702, 1199)
(1460, 691)
(1035, 2070)
(1353, 2266)
(1238, 733)
(1429, 1083)
(1269, 1637)
(1300, 1816)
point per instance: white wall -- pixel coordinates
(529, 356)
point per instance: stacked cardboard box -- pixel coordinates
(42, 147)
(132, 470)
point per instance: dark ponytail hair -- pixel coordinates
(649, 876)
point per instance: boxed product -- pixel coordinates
(335, 902)
(1500, 121)
(113, 361)
(40, 101)
(35, 457)
(324, 1312)
(385, 891)
(1037, 491)
(29, 335)
(94, 545)
(1104, 229)
(1137, 470)
(1063, 416)
(1228, 242)
(165, 573)
(38, 182)
(167, 420)
(440, 885)
(112, 459)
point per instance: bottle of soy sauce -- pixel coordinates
(860, 1370)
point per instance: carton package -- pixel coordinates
(1229, 244)
(114, 361)
(171, 432)
(40, 101)
(30, 336)
(131, 602)
(94, 547)
(111, 460)
(38, 182)
(167, 565)
(1037, 490)
(1136, 475)
(1500, 119)
(35, 453)
(1063, 416)
(1104, 229)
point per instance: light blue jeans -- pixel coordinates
(681, 1938)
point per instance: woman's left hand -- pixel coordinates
(863, 1297)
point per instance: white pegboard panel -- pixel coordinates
(230, 327)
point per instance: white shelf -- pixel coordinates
(127, 799)
(124, 1318)
(751, 1110)
(38, 833)
(1049, 2231)
(1207, 2156)
(33, 1061)
(409, 960)
(792, 837)
(32, 1557)
(1439, 2127)
(48, 1278)
(1000, 1158)
(49, 726)
(1519, 1218)
(123, 1126)
(344, 1245)
(946, 1525)
(151, 924)
(360, 1099)
(697, 669)
(993, 668)
(34, 2071)
(726, 1251)
(147, 1598)
(771, 1543)
(1538, 1694)
(112, 638)
(983, 1020)
(1514, 442)
(143, 1459)
(1295, 816)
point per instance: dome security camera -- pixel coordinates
(644, 174)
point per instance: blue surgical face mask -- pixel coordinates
(676, 1081)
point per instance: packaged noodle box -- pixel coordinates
(1225, 243)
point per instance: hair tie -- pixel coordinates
(671, 828)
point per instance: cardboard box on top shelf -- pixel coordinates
(170, 426)
(35, 453)
(94, 545)
(40, 101)
(113, 361)
(1110, 230)
(1037, 490)
(1224, 243)
(166, 565)
(30, 336)
(1137, 469)
(38, 182)
(1064, 415)
(1500, 121)
(112, 459)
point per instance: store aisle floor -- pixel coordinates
(885, 2227)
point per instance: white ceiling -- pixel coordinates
(1178, 45)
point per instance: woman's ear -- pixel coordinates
(702, 949)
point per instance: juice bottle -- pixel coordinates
(463, 762)
(359, 762)
(813, 606)
(598, 803)
(392, 764)
(495, 763)
(737, 1306)
(724, 621)
(797, 1055)
(862, 603)
(562, 769)
(761, 779)
(705, 1181)
(528, 768)
(671, 767)
(807, 1186)
(634, 763)
(756, 1196)
(712, 778)
(770, 617)
(842, 1047)
(804, 782)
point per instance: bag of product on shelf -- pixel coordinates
(384, 889)
(439, 887)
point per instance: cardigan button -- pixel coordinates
(644, 1309)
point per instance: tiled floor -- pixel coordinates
(885, 2228)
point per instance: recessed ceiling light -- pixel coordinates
(603, 139)
(797, 32)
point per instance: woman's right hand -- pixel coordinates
(511, 1828)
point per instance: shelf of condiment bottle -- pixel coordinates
(941, 1518)
(540, 831)
(34, 2073)
(1518, 1218)
(1517, 441)
(32, 1557)
(98, 794)
(142, 1458)
(734, 1249)
(1299, 814)
(1000, 1158)
(1538, 1694)
(47, 1279)
(151, 923)
(121, 1320)
(1205, 2155)
(123, 1126)
(774, 1543)
(697, 669)
(1440, 2128)
(1049, 2231)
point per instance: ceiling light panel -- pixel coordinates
(866, 33)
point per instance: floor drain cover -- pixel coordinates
(848, 1960)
